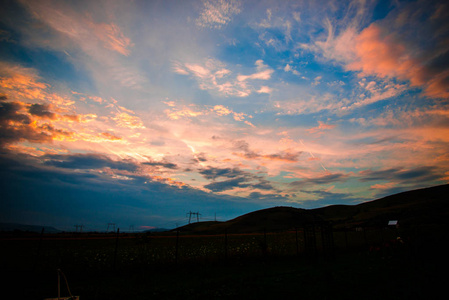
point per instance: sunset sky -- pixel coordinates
(137, 112)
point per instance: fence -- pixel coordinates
(120, 250)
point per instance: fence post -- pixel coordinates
(297, 245)
(226, 244)
(38, 253)
(177, 246)
(265, 244)
(116, 248)
(346, 237)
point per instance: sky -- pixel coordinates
(139, 112)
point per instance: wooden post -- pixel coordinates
(38, 253)
(226, 244)
(177, 246)
(116, 247)
(297, 244)
(346, 238)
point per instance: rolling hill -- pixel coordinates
(413, 208)
(27, 228)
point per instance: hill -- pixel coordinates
(270, 219)
(417, 207)
(413, 208)
(27, 228)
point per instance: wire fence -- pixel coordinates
(113, 251)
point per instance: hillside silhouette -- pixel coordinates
(428, 206)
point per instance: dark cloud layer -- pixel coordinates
(167, 165)
(214, 173)
(16, 126)
(41, 110)
(415, 175)
(243, 146)
(238, 179)
(326, 179)
(87, 161)
(61, 197)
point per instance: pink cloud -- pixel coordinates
(112, 37)
(320, 128)
(409, 44)
(381, 53)
(217, 13)
(81, 28)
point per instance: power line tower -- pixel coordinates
(79, 227)
(112, 225)
(197, 214)
(131, 228)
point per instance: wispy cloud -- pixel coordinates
(215, 76)
(380, 49)
(82, 29)
(217, 13)
(322, 180)
(237, 179)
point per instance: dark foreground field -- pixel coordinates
(364, 265)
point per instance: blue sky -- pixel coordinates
(137, 112)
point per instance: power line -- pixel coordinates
(111, 225)
(197, 214)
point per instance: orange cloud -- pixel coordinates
(380, 53)
(320, 128)
(128, 121)
(81, 28)
(185, 112)
(112, 37)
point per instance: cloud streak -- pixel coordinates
(217, 13)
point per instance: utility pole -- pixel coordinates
(111, 225)
(197, 214)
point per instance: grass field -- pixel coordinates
(365, 265)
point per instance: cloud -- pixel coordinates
(326, 179)
(41, 110)
(320, 128)
(225, 185)
(213, 173)
(384, 55)
(16, 126)
(193, 111)
(310, 104)
(288, 68)
(287, 155)
(402, 175)
(126, 120)
(214, 76)
(217, 13)
(62, 197)
(237, 179)
(81, 28)
(265, 90)
(262, 75)
(414, 50)
(223, 111)
(176, 113)
(87, 161)
(164, 164)
(264, 72)
(239, 182)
